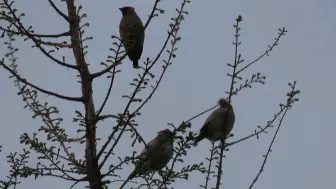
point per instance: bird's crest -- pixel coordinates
(224, 103)
(127, 10)
(166, 131)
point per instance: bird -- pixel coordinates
(219, 123)
(156, 154)
(132, 34)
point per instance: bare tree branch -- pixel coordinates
(104, 71)
(61, 45)
(64, 34)
(290, 100)
(269, 150)
(59, 11)
(282, 32)
(210, 159)
(152, 14)
(17, 20)
(234, 75)
(52, 127)
(92, 169)
(76, 99)
(111, 82)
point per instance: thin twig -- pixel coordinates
(151, 15)
(64, 34)
(35, 40)
(49, 122)
(111, 149)
(282, 31)
(256, 133)
(269, 150)
(59, 11)
(102, 117)
(76, 99)
(170, 171)
(233, 76)
(107, 69)
(16, 170)
(212, 153)
(61, 45)
(111, 83)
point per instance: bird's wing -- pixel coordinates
(143, 163)
(219, 113)
(149, 146)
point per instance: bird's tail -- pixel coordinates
(136, 64)
(132, 175)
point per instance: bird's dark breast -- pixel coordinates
(160, 163)
(161, 157)
(132, 36)
(218, 132)
(133, 46)
(213, 132)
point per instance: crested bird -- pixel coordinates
(132, 34)
(156, 154)
(219, 123)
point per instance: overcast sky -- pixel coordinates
(304, 153)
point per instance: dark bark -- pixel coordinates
(92, 168)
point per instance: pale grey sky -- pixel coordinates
(303, 155)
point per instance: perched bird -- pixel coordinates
(219, 124)
(132, 34)
(155, 155)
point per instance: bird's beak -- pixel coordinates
(120, 9)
